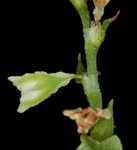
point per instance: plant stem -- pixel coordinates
(91, 53)
(90, 80)
(82, 9)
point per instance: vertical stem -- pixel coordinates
(82, 9)
(90, 80)
(91, 53)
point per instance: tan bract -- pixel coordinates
(101, 3)
(86, 118)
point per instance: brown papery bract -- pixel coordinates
(101, 3)
(86, 118)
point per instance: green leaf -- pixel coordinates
(80, 68)
(104, 127)
(111, 143)
(38, 86)
(89, 142)
(106, 24)
(84, 147)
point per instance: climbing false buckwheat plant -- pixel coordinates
(94, 123)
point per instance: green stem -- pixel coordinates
(90, 80)
(82, 9)
(94, 36)
(91, 53)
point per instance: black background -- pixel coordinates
(46, 36)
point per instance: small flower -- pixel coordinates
(86, 118)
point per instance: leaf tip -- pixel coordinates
(22, 108)
(13, 78)
(117, 14)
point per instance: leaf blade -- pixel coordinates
(104, 127)
(80, 69)
(39, 86)
(112, 143)
(106, 24)
(90, 142)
